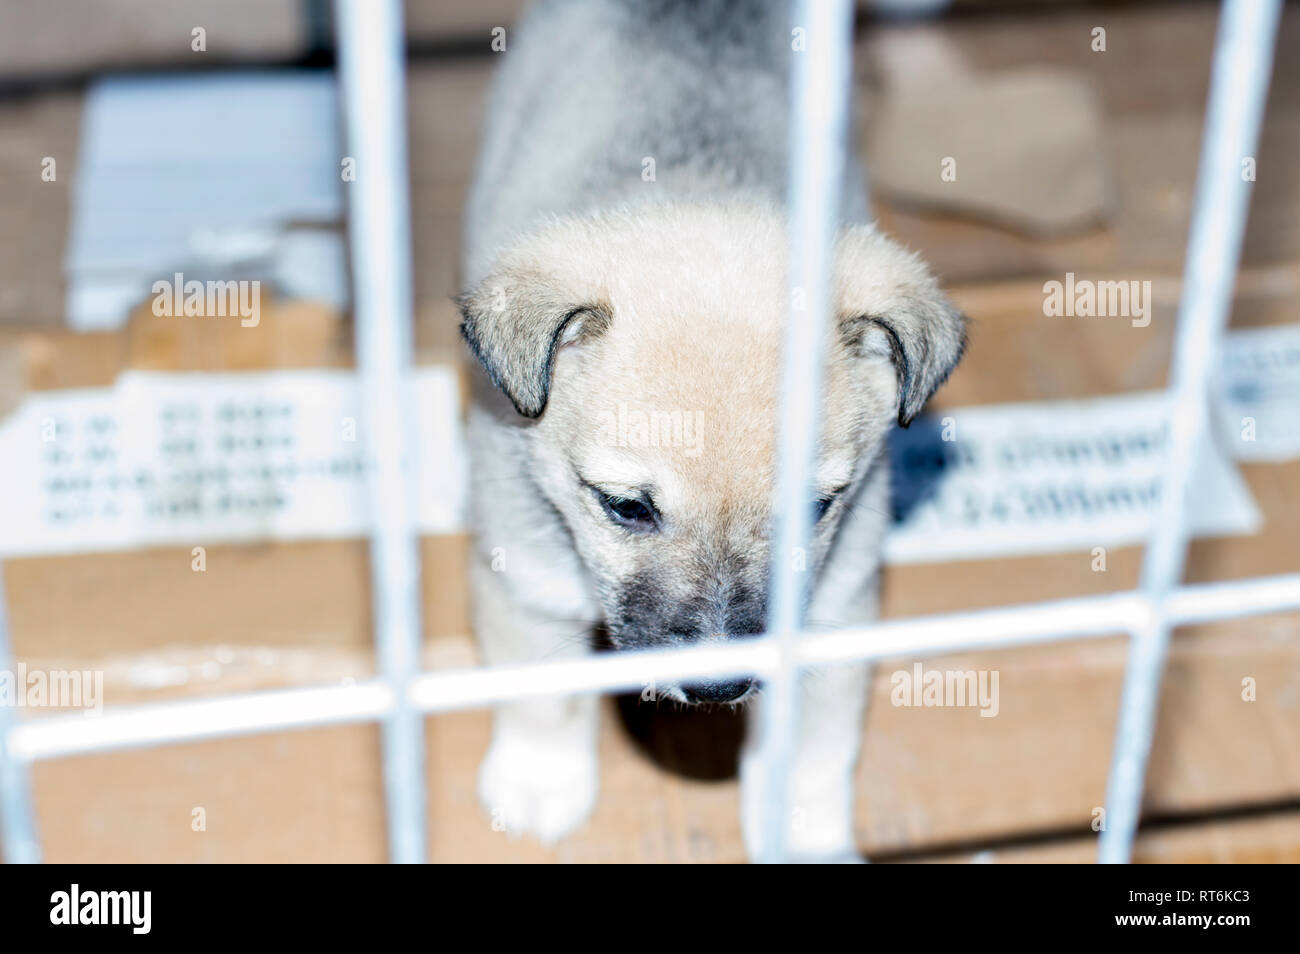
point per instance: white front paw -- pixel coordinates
(820, 822)
(542, 790)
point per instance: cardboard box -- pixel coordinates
(279, 614)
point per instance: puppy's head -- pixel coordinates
(642, 351)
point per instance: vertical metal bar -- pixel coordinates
(1238, 90)
(820, 81)
(17, 820)
(370, 44)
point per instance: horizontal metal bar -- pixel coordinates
(194, 720)
(1232, 599)
(456, 689)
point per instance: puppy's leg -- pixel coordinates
(540, 775)
(828, 738)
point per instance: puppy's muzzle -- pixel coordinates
(726, 690)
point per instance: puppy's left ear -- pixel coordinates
(891, 307)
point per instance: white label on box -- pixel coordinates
(1259, 393)
(1023, 479)
(198, 459)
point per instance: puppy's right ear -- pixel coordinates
(891, 308)
(516, 323)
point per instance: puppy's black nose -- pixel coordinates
(725, 691)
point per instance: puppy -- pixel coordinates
(625, 255)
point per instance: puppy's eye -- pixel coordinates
(824, 502)
(627, 512)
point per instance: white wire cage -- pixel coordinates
(371, 76)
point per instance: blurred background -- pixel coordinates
(181, 507)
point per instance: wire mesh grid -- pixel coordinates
(371, 70)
